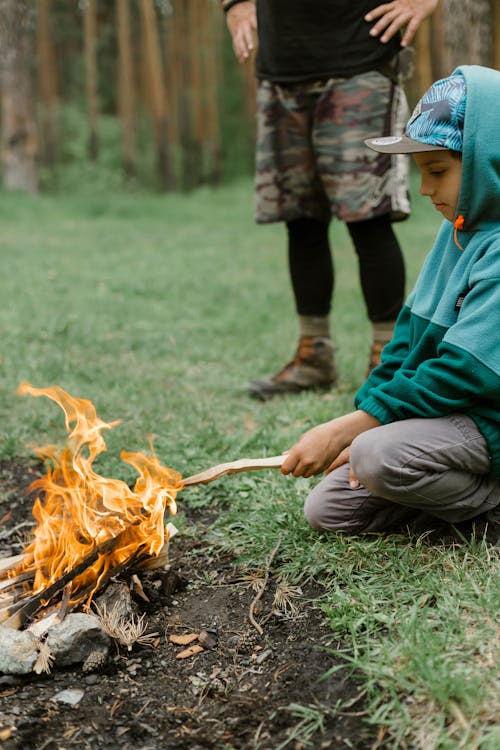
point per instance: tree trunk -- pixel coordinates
(126, 85)
(195, 10)
(173, 75)
(154, 77)
(496, 34)
(423, 63)
(212, 85)
(181, 78)
(467, 33)
(47, 80)
(90, 42)
(19, 137)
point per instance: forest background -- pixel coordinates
(159, 307)
(128, 94)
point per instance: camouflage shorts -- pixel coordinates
(310, 156)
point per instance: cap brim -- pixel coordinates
(400, 144)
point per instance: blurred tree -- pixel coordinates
(19, 134)
(212, 89)
(423, 63)
(461, 35)
(496, 34)
(90, 42)
(196, 20)
(47, 80)
(154, 80)
(126, 97)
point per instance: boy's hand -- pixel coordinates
(322, 448)
(242, 23)
(394, 15)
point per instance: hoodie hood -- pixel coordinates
(479, 199)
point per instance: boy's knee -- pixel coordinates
(333, 506)
(315, 510)
(375, 464)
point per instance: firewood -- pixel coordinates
(8, 563)
(161, 560)
(10, 583)
(19, 613)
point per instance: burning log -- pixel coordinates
(8, 563)
(19, 613)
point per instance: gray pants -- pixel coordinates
(411, 472)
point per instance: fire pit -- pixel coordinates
(91, 528)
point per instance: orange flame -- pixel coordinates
(81, 509)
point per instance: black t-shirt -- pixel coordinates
(302, 40)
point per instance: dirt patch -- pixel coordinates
(237, 693)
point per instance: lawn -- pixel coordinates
(159, 310)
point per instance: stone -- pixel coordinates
(18, 651)
(75, 638)
(71, 697)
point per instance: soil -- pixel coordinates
(237, 693)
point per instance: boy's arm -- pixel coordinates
(318, 448)
(465, 371)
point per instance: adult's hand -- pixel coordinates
(393, 16)
(242, 24)
(322, 448)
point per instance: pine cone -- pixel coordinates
(95, 660)
(247, 642)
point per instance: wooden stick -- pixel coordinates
(7, 563)
(233, 467)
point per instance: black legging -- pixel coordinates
(381, 266)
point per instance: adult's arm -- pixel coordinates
(242, 24)
(393, 16)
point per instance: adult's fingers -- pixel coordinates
(390, 23)
(243, 42)
(410, 32)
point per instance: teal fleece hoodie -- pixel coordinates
(444, 357)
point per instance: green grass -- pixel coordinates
(159, 310)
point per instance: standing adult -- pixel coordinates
(329, 77)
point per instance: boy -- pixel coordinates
(424, 441)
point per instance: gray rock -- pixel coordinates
(71, 697)
(18, 651)
(77, 637)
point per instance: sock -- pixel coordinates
(383, 331)
(314, 325)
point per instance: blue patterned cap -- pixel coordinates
(437, 122)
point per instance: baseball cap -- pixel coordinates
(437, 122)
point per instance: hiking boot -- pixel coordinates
(375, 354)
(313, 367)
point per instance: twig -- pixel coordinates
(262, 588)
(10, 532)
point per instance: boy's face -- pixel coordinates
(441, 175)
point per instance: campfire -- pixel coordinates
(89, 527)
(93, 534)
